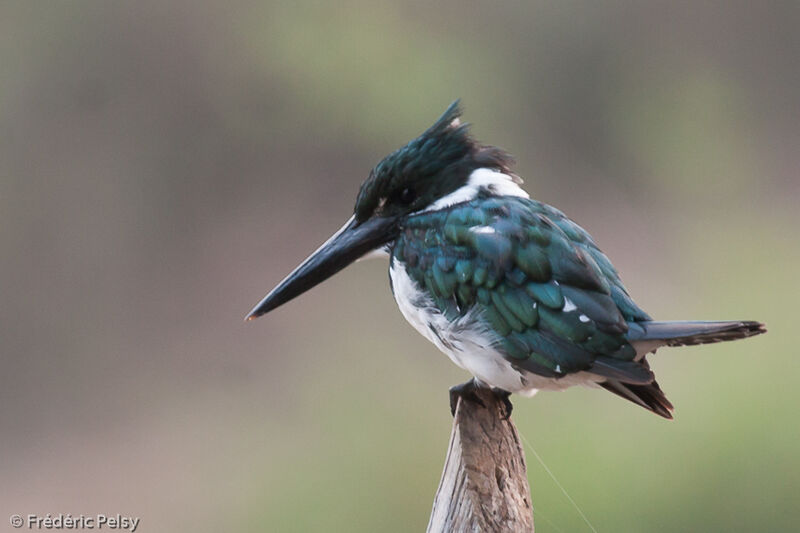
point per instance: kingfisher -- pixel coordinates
(509, 288)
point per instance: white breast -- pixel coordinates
(467, 341)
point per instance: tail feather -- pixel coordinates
(649, 335)
(649, 396)
(623, 371)
(689, 333)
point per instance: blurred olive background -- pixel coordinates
(162, 165)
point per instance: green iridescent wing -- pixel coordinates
(537, 279)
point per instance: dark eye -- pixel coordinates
(407, 195)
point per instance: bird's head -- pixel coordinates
(427, 170)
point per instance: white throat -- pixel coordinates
(482, 180)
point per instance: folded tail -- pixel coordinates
(688, 333)
(641, 387)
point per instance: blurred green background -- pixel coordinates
(162, 165)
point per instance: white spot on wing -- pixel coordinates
(569, 305)
(483, 229)
(583, 318)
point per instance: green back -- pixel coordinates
(518, 262)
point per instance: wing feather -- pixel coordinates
(536, 279)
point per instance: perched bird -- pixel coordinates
(509, 288)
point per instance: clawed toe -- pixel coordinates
(505, 398)
(467, 391)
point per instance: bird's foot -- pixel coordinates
(505, 399)
(467, 392)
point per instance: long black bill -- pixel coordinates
(351, 242)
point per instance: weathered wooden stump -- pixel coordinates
(484, 486)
